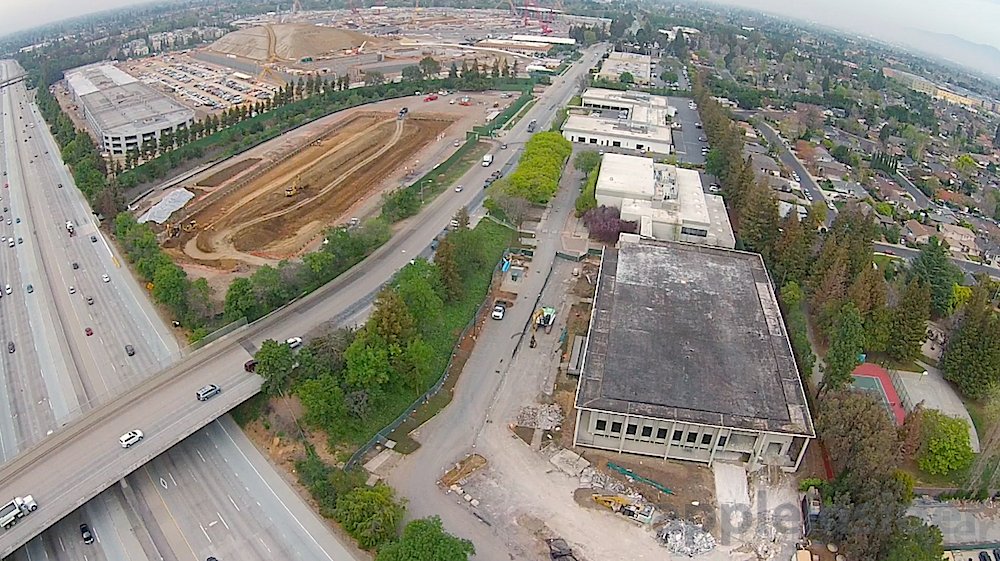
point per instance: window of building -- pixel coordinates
(694, 232)
(616, 427)
(692, 436)
(706, 438)
(677, 436)
(647, 432)
(631, 429)
(661, 434)
(722, 441)
(640, 147)
(616, 144)
(601, 425)
(593, 141)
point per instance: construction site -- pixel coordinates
(275, 201)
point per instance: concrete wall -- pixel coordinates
(679, 440)
(599, 140)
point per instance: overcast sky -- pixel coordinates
(973, 20)
(18, 15)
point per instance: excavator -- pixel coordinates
(627, 507)
(294, 188)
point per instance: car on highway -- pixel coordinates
(457, 143)
(129, 350)
(130, 438)
(20, 240)
(208, 392)
(59, 186)
(86, 534)
(88, 331)
(10, 346)
(458, 188)
(8, 289)
(76, 265)
(72, 290)
(105, 278)
(697, 125)
(93, 239)
(30, 289)
(90, 300)
(294, 342)
(498, 311)
(503, 146)
(250, 365)
(702, 139)
(10, 242)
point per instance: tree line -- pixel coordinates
(856, 308)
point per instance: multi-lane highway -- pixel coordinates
(86, 456)
(57, 374)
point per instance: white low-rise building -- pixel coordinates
(616, 119)
(639, 66)
(666, 202)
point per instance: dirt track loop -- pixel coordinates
(258, 224)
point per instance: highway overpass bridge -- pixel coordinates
(11, 81)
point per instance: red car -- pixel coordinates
(88, 331)
(431, 97)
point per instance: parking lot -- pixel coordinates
(687, 141)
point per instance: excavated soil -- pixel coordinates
(258, 222)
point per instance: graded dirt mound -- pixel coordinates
(260, 222)
(291, 41)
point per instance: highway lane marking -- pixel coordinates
(222, 519)
(273, 492)
(200, 456)
(261, 540)
(234, 503)
(170, 514)
(172, 480)
(206, 533)
(62, 545)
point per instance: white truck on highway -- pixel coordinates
(17, 509)
(70, 228)
(487, 160)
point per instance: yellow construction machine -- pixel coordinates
(626, 506)
(294, 188)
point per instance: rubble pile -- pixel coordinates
(594, 479)
(545, 417)
(684, 538)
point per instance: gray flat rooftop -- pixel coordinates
(134, 108)
(691, 333)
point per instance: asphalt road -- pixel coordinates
(58, 374)
(806, 181)
(85, 457)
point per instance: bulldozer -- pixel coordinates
(627, 507)
(294, 188)
(190, 226)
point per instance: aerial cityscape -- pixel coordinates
(567, 280)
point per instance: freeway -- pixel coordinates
(83, 457)
(57, 374)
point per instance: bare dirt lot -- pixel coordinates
(243, 216)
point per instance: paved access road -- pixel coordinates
(687, 141)
(57, 373)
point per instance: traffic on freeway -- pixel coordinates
(80, 331)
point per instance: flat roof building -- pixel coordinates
(632, 120)
(639, 66)
(666, 202)
(687, 358)
(122, 112)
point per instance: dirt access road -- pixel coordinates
(243, 216)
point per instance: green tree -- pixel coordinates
(626, 78)
(945, 448)
(792, 250)
(861, 438)
(240, 301)
(586, 161)
(275, 362)
(368, 361)
(915, 540)
(846, 344)
(758, 220)
(429, 67)
(374, 78)
(453, 71)
(391, 319)
(933, 266)
(412, 73)
(909, 322)
(425, 539)
(370, 515)
(171, 286)
(447, 266)
(323, 401)
(972, 356)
